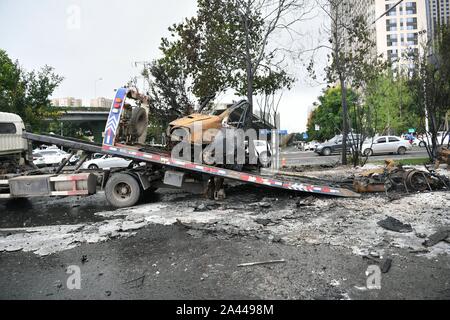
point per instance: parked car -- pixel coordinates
(419, 143)
(424, 140)
(52, 157)
(106, 161)
(311, 146)
(386, 144)
(263, 152)
(335, 145)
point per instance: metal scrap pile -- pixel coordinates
(394, 177)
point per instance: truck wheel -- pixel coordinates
(139, 122)
(122, 190)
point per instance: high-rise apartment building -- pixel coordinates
(401, 31)
(438, 14)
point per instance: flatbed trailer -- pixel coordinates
(125, 187)
(163, 169)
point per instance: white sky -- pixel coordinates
(110, 37)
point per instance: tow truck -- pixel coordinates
(152, 168)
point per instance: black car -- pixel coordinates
(334, 145)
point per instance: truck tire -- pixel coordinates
(139, 122)
(122, 190)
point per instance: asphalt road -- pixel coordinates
(183, 262)
(164, 262)
(298, 158)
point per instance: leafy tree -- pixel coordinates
(170, 99)
(430, 84)
(353, 62)
(328, 114)
(227, 46)
(27, 93)
(393, 108)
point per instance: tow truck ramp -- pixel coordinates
(170, 163)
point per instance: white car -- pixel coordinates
(52, 157)
(106, 162)
(263, 152)
(426, 139)
(311, 146)
(386, 144)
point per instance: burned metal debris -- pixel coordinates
(437, 237)
(443, 156)
(393, 224)
(395, 177)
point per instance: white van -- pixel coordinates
(12, 145)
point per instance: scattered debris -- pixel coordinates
(395, 177)
(136, 283)
(393, 224)
(420, 251)
(335, 283)
(58, 284)
(306, 202)
(264, 222)
(264, 204)
(386, 265)
(201, 207)
(443, 157)
(421, 235)
(84, 259)
(437, 237)
(261, 263)
(108, 293)
(371, 258)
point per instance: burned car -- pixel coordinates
(209, 129)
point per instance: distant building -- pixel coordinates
(55, 102)
(101, 103)
(402, 30)
(67, 102)
(438, 14)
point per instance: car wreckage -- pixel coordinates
(211, 129)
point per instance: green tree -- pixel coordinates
(169, 93)
(328, 114)
(27, 93)
(392, 105)
(227, 46)
(430, 84)
(352, 61)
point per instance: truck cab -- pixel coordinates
(13, 147)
